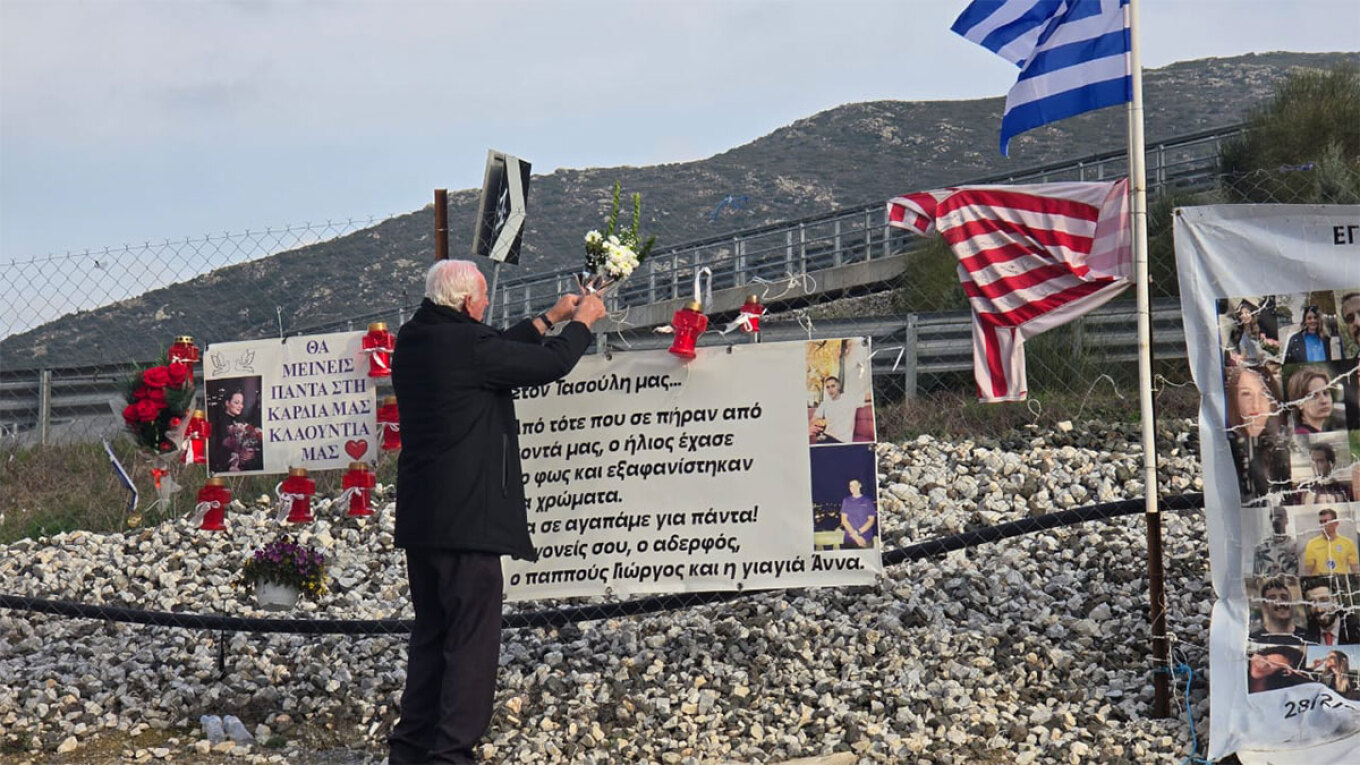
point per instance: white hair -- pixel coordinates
(451, 282)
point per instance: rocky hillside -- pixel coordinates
(844, 157)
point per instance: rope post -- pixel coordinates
(1161, 700)
(441, 224)
(910, 346)
(221, 655)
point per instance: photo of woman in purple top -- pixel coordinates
(858, 517)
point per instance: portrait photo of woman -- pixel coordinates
(237, 442)
(1260, 452)
(1252, 331)
(1312, 342)
(1272, 667)
(1312, 401)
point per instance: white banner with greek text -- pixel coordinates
(750, 466)
(302, 402)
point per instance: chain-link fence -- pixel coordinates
(845, 274)
(73, 323)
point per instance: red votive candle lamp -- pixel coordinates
(196, 437)
(183, 351)
(688, 322)
(751, 311)
(379, 344)
(213, 499)
(358, 483)
(297, 489)
(389, 424)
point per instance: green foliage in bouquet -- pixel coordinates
(615, 253)
(286, 562)
(157, 398)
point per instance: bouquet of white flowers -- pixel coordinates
(611, 256)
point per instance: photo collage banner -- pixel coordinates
(1271, 300)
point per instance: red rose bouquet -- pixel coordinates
(157, 400)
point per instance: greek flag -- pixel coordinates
(1073, 56)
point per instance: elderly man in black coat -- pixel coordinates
(460, 498)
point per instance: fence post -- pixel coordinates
(802, 248)
(868, 235)
(788, 248)
(909, 347)
(675, 275)
(44, 404)
(836, 253)
(738, 261)
(1078, 337)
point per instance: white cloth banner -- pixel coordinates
(646, 474)
(1271, 301)
(306, 401)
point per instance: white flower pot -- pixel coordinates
(271, 596)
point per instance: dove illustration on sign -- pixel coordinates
(219, 362)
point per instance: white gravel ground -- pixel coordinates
(1029, 650)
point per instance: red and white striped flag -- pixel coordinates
(1030, 258)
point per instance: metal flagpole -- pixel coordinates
(491, 299)
(1161, 706)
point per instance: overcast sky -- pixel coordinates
(124, 121)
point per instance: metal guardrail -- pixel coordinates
(42, 406)
(910, 345)
(32, 401)
(821, 242)
(848, 236)
(917, 344)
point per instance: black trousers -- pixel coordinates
(454, 654)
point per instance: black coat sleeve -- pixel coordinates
(523, 332)
(505, 364)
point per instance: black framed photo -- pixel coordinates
(502, 209)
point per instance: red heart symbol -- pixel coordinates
(356, 448)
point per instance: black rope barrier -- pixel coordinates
(559, 617)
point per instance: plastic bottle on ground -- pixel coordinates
(237, 731)
(212, 729)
